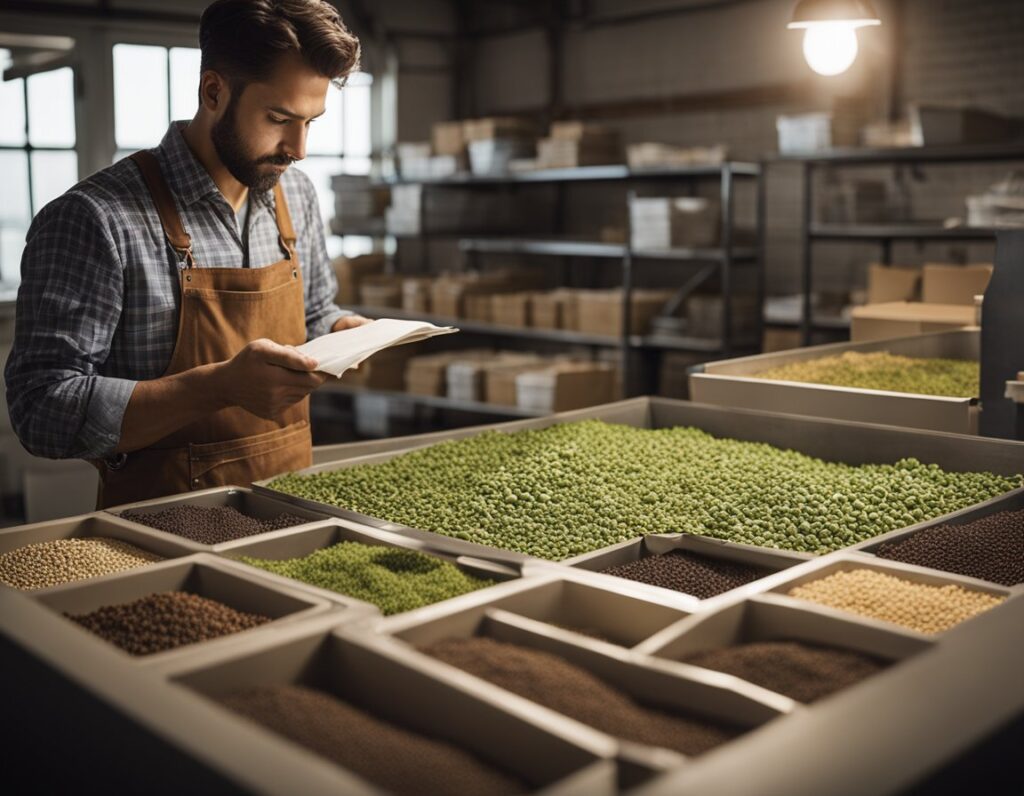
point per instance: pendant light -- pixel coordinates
(830, 31)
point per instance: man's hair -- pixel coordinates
(242, 39)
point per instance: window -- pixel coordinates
(155, 85)
(37, 155)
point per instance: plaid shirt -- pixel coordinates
(98, 304)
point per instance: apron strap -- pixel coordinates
(285, 230)
(174, 230)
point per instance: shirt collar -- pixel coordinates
(187, 178)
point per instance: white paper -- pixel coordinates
(337, 352)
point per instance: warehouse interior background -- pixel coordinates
(85, 82)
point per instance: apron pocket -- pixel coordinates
(241, 461)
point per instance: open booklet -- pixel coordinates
(339, 351)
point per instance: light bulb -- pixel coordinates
(830, 47)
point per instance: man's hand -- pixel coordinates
(266, 378)
(349, 322)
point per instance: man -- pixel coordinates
(161, 297)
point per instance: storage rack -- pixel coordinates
(720, 260)
(884, 234)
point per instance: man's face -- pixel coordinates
(262, 129)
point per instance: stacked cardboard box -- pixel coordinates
(427, 374)
(664, 222)
(466, 378)
(947, 300)
(512, 309)
(470, 295)
(416, 294)
(385, 370)
(572, 143)
(351, 271)
(601, 311)
(381, 290)
(558, 309)
(564, 386)
(651, 155)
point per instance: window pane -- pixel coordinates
(320, 171)
(140, 95)
(357, 119)
(184, 82)
(12, 106)
(12, 243)
(14, 206)
(325, 133)
(52, 174)
(51, 108)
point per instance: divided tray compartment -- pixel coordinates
(771, 560)
(769, 617)
(652, 682)
(375, 675)
(203, 575)
(1012, 501)
(832, 440)
(568, 603)
(298, 542)
(847, 561)
(96, 524)
(242, 499)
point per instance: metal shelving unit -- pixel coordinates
(719, 261)
(884, 234)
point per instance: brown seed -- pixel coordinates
(691, 573)
(210, 525)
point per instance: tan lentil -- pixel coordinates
(918, 606)
(37, 566)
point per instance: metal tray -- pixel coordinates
(570, 601)
(768, 618)
(242, 499)
(852, 443)
(669, 686)
(201, 574)
(1014, 501)
(658, 544)
(97, 524)
(907, 721)
(844, 562)
(731, 382)
(301, 541)
(553, 757)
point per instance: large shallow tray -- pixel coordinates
(732, 383)
(852, 443)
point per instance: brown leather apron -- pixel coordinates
(222, 309)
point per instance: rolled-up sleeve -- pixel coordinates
(322, 286)
(69, 306)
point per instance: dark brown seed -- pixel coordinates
(557, 684)
(691, 573)
(166, 621)
(990, 548)
(804, 672)
(396, 759)
(211, 525)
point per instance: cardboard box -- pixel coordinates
(600, 311)
(565, 153)
(447, 138)
(477, 307)
(904, 318)
(954, 284)
(574, 130)
(565, 386)
(664, 222)
(652, 155)
(351, 271)
(497, 127)
(512, 309)
(704, 316)
(427, 374)
(893, 283)
(381, 290)
(416, 294)
(556, 309)
(469, 295)
(466, 377)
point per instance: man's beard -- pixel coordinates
(233, 155)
